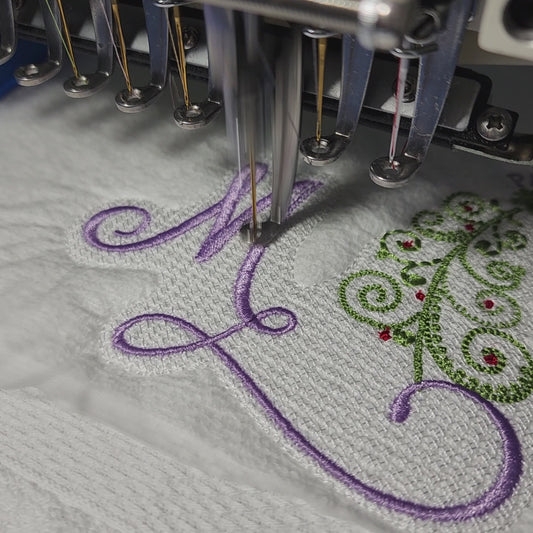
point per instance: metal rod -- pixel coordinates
(403, 67)
(110, 28)
(287, 114)
(68, 43)
(321, 45)
(179, 54)
(122, 44)
(253, 191)
(391, 17)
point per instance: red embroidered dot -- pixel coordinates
(491, 359)
(407, 244)
(420, 296)
(469, 227)
(468, 207)
(385, 335)
(489, 304)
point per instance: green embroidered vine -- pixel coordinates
(467, 224)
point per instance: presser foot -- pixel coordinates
(320, 152)
(196, 115)
(85, 85)
(265, 232)
(138, 99)
(31, 75)
(248, 235)
(395, 174)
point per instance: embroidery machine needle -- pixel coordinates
(403, 67)
(68, 40)
(122, 45)
(253, 191)
(67, 43)
(322, 43)
(179, 54)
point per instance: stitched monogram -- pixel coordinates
(467, 225)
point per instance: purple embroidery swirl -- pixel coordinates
(218, 235)
(222, 230)
(502, 489)
(508, 476)
(243, 309)
(205, 340)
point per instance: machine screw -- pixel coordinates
(191, 37)
(494, 124)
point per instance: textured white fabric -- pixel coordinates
(333, 377)
(63, 160)
(69, 474)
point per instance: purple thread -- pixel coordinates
(502, 489)
(120, 342)
(241, 291)
(220, 211)
(400, 409)
(216, 241)
(221, 232)
(223, 229)
(243, 308)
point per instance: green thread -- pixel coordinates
(467, 207)
(424, 221)
(496, 310)
(487, 351)
(363, 295)
(498, 270)
(410, 243)
(412, 279)
(512, 240)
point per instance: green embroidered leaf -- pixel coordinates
(484, 247)
(411, 279)
(403, 337)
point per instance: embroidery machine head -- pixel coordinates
(390, 63)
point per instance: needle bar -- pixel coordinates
(179, 54)
(110, 28)
(67, 44)
(122, 44)
(253, 191)
(403, 68)
(67, 37)
(322, 45)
